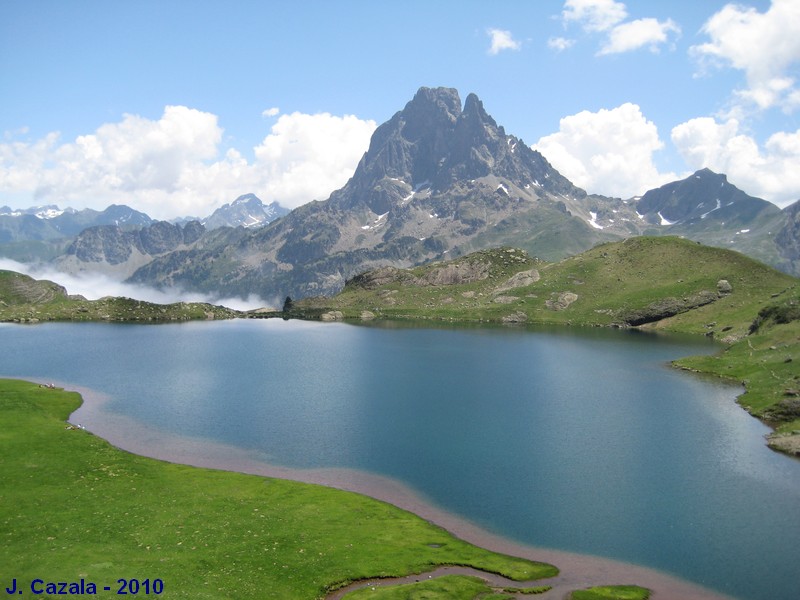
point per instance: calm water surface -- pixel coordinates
(578, 440)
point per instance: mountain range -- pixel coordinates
(438, 180)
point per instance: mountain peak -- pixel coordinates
(433, 143)
(707, 173)
(703, 196)
(445, 101)
(246, 211)
(473, 110)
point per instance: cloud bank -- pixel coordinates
(609, 151)
(174, 166)
(769, 171)
(764, 46)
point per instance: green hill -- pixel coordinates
(655, 283)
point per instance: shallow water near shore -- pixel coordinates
(582, 441)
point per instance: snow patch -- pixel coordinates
(376, 223)
(665, 221)
(593, 222)
(717, 207)
(48, 213)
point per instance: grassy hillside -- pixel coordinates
(658, 283)
(27, 300)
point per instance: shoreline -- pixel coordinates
(576, 570)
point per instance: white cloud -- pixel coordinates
(608, 17)
(594, 15)
(306, 157)
(633, 35)
(769, 172)
(765, 46)
(271, 112)
(502, 40)
(559, 44)
(607, 152)
(172, 166)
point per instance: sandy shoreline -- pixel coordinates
(577, 570)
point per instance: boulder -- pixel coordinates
(724, 287)
(561, 301)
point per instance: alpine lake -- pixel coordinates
(583, 440)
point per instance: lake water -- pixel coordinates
(581, 440)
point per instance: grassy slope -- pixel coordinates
(611, 281)
(614, 284)
(24, 299)
(72, 506)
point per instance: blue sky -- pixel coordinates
(176, 107)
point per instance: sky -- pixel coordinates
(176, 107)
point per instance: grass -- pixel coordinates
(613, 592)
(613, 283)
(451, 587)
(74, 507)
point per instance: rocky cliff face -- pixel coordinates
(788, 238)
(113, 250)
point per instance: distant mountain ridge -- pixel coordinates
(50, 222)
(437, 181)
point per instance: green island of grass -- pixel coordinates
(617, 592)
(76, 509)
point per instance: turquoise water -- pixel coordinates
(582, 440)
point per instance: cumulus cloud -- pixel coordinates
(765, 46)
(608, 17)
(271, 112)
(306, 157)
(650, 33)
(607, 152)
(594, 15)
(559, 44)
(174, 166)
(769, 172)
(502, 40)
